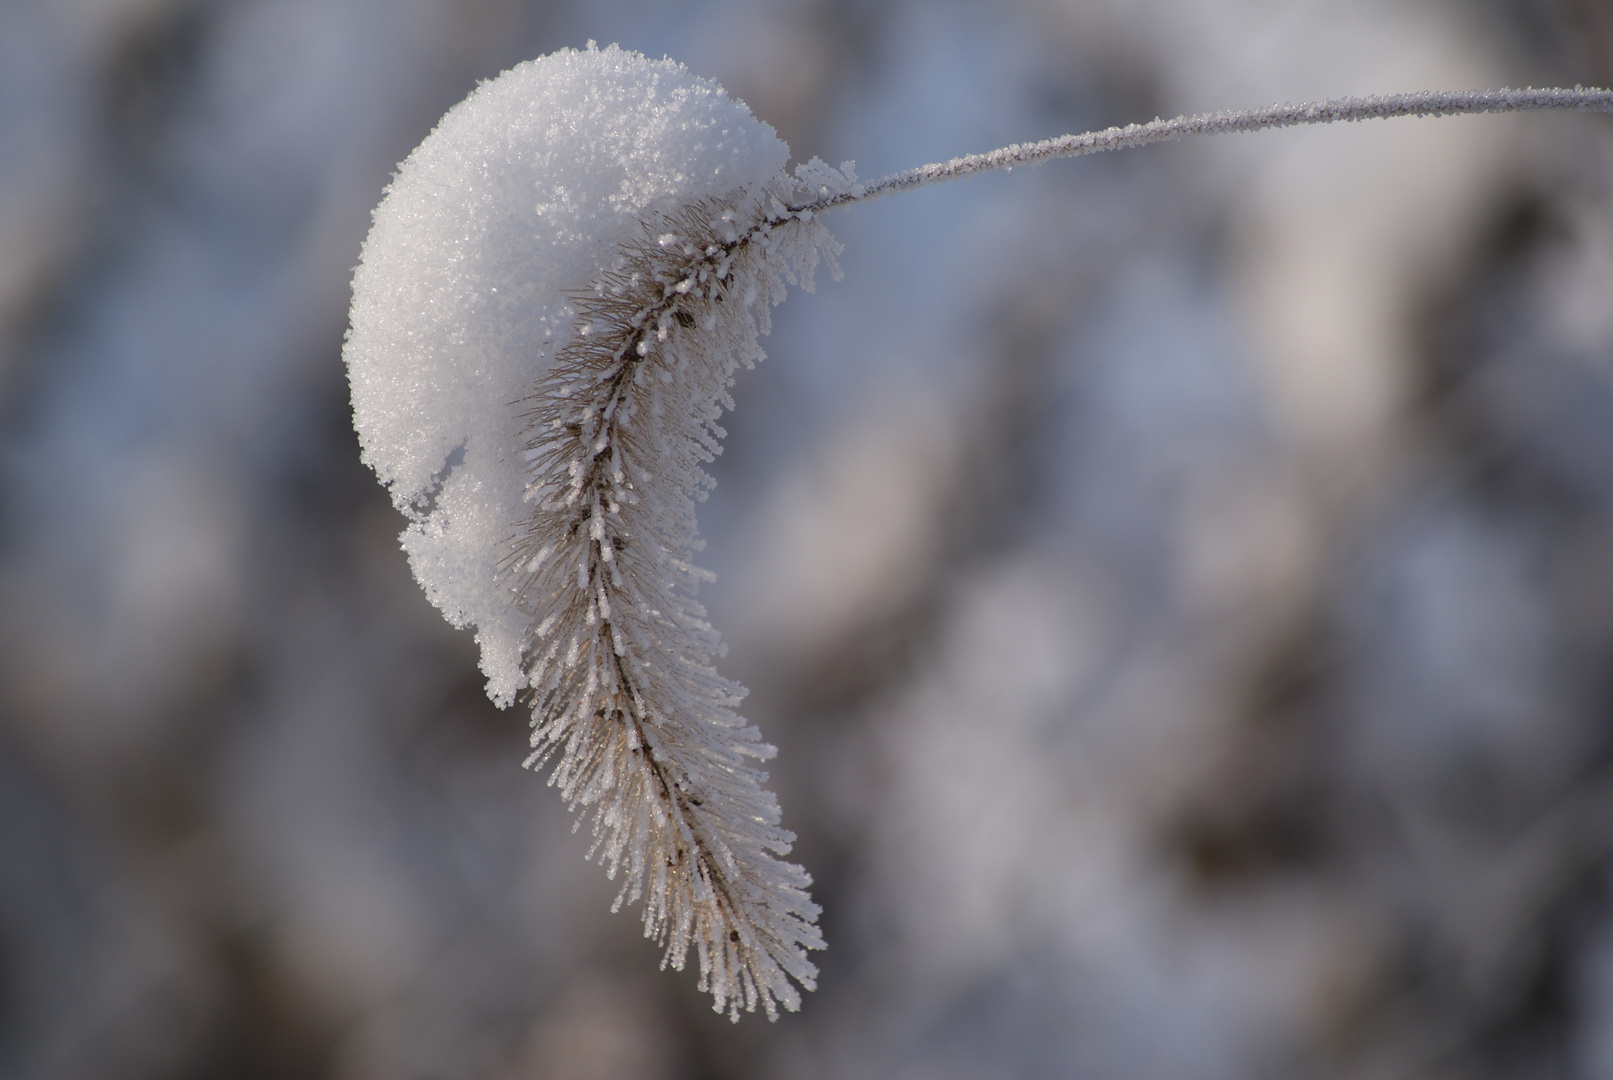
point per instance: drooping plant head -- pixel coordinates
(558, 288)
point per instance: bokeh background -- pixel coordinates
(1180, 584)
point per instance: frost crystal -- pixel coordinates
(548, 312)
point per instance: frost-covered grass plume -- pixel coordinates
(558, 287)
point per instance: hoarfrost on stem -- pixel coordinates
(558, 287)
(547, 316)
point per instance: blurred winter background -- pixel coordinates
(1180, 584)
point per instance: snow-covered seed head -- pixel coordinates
(548, 312)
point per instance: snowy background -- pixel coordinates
(1180, 584)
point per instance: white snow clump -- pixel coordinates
(519, 198)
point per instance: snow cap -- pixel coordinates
(519, 199)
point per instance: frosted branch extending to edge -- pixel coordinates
(1427, 103)
(548, 313)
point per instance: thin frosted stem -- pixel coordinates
(1431, 103)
